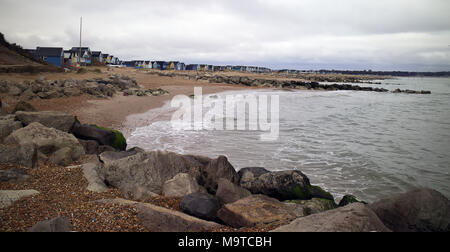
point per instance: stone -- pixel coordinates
(215, 170)
(181, 185)
(51, 119)
(8, 197)
(255, 210)
(14, 175)
(282, 185)
(307, 207)
(46, 140)
(56, 225)
(349, 199)
(228, 192)
(8, 125)
(420, 210)
(159, 219)
(200, 205)
(356, 217)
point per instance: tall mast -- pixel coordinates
(81, 28)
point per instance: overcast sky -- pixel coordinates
(302, 34)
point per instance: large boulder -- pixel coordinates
(8, 197)
(181, 185)
(8, 125)
(143, 174)
(228, 192)
(201, 205)
(255, 210)
(217, 169)
(103, 136)
(282, 185)
(352, 218)
(421, 210)
(55, 225)
(48, 141)
(52, 119)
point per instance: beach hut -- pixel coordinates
(52, 55)
(192, 67)
(86, 55)
(97, 57)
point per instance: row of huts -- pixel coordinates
(83, 56)
(180, 66)
(75, 57)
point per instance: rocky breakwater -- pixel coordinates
(42, 88)
(271, 82)
(216, 197)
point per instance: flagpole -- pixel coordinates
(81, 28)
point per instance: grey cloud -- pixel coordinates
(383, 34)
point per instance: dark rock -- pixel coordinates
(228, 192)
(201, 205)
(88, 132)
(103, 136)
(421, 210)
(56, 225)
(215, 170)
